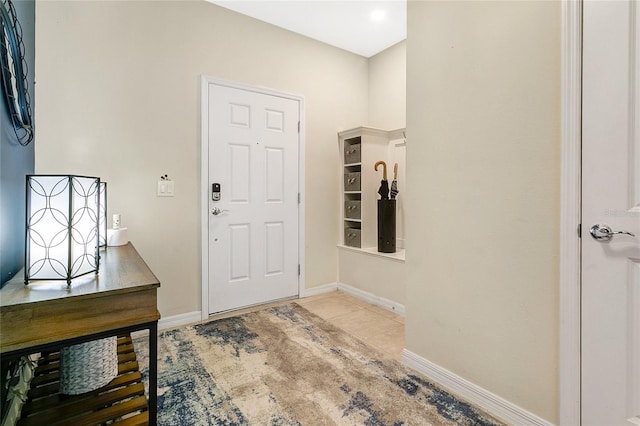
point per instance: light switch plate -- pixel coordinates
(165, 188)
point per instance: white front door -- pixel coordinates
(253, 228)
(611, 198)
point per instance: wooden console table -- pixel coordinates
(45, 316)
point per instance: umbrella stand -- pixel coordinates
(387, 226)
(386, 214)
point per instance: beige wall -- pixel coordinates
(387, 106)
(118, 96)
(387, 88)
(387, 109)
(379, 276)
(483, 95)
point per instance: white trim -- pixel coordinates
(204, 179)
(302, 153)
(363, 130)
(398, 256)
(473, 393)
(179, 320)
(204, 196)
(318, 290)
(368, 297)
(570, 215)
(172, 322)
(398, 134)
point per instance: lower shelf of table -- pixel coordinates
(121, 401)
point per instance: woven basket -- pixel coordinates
(88, 366)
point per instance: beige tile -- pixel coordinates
(376, 326)
(391, 343)
(331, 307)
(303, 301)
(387, 313)
(351, 299)
(365, 323)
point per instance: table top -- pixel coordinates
(122, 270)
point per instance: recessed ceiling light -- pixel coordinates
(378, 15)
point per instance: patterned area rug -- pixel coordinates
(286, 366)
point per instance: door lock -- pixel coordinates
(603, 232)
(215, 191)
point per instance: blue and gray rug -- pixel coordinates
(286, 366)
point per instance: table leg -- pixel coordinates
(153, 373)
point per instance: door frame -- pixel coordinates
(570, 214)
(205, 80)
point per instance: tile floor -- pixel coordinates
(377, 327)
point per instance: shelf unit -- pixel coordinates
(121, 401)
(360, 149)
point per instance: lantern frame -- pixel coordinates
(62, 227)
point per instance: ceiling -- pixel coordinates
(363, 27)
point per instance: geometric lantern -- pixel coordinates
(103, 215)
(63, 229)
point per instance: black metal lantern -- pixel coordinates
(63, 227)
(102, 236)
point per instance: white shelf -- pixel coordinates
(398, 256)
(374, 145)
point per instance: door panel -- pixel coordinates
(275, 248)
(240, 169)
(611, 173)
(274, 160)
(253, 154)
(239, 255)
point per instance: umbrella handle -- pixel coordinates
(384, 169)
(395, 171)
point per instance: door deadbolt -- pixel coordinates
(215, 191)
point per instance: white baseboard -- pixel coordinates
(172, 322)
(387, 304)
(321, 289)
(473, 393)
(196, 316)
(180, 319)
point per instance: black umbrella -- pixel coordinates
(384, 184)
(394, 183)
